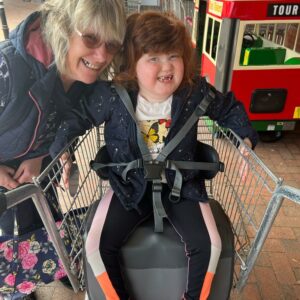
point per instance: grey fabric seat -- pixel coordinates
(155, 264)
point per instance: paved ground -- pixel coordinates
(276, 275)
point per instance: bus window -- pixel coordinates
(297, 48)
(212, 37)
(270, 32)
(250, 28)
(266, 31)
(270, 44)
(262, 30)
(215, 39)
(208, 37)
(250, 39)
(290, 37)
(280, 33)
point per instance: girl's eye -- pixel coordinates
(174, 56)
(153, 59)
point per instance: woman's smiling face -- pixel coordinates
(85, 64)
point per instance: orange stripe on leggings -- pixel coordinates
(206, 286)
(107, 288)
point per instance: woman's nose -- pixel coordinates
(102, 54)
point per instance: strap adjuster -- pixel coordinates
(156, 187)
(153, 169)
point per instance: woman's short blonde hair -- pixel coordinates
(60, 18)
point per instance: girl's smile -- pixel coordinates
(165, 78)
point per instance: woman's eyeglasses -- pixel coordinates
(91, 41)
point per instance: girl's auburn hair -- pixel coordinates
(154, 32)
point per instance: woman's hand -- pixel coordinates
(6, 178)
(28, 169)
(66, 162)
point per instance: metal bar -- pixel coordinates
(271, 212)
(22, 193)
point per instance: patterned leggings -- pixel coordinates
(112, 225)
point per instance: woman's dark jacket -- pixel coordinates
(31, 95)
(104, 105)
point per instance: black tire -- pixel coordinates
(270, 136)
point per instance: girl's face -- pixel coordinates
(159, 75)
(85, 63)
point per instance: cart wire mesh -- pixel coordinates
(248, 191)
(244, 191)
(183, 9)
(250, 194)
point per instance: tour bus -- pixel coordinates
(252, 47)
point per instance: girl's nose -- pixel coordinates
(166, 64)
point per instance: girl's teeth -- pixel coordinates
(165, 78)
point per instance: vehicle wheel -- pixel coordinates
(270, 136)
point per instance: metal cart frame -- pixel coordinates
(251, 203)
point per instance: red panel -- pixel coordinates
(245, 81)
(253, 10)
(208, 69)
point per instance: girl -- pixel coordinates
(157, 71)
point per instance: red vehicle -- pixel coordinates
(252, 47)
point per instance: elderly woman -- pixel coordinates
(48, 65)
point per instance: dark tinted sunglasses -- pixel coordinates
(91, 41)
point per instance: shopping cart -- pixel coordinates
(251, 203)
(183, 9)
(132, 6)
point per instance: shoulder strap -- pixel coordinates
(167, 149)
(198, 112)
(128, 104)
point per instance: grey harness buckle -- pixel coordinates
(153, 169)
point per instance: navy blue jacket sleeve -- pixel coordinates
(230, 113)
(92, 112)
(4, 101)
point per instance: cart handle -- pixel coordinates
(3, 203)
(16, 196)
